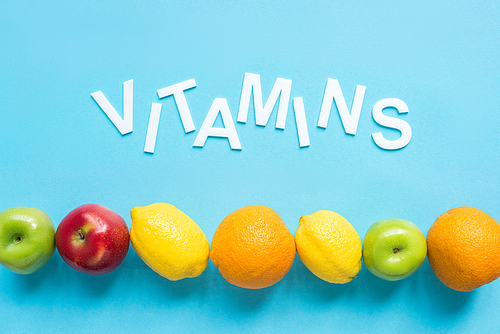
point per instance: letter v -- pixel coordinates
(123, 125)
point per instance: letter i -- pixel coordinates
(154, 120)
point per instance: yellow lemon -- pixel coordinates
(329, 246)
(168, 241)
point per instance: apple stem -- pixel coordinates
(80, 233)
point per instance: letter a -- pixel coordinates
(229, 131)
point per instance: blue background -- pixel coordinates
(58, 150)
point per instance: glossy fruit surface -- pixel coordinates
(26, 239)
(253, 248)
(92, 239)
(329, 246)
(464, 248)
(169, 241)
(394, 249)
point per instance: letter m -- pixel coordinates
(282, 88)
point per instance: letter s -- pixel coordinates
(391, 122)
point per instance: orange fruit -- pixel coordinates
(463, 248)
(253, 248)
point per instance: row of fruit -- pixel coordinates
(252, 247)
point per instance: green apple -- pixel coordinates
(394, 249)
(27, 239)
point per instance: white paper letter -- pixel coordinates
(391, 122)
(154, 120)
(123, 125)
(300, 121)
(180, 100)
(349, 120)
(229, 130)
(281, 88)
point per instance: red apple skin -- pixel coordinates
(92, 239)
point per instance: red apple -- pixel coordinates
(92, 239)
